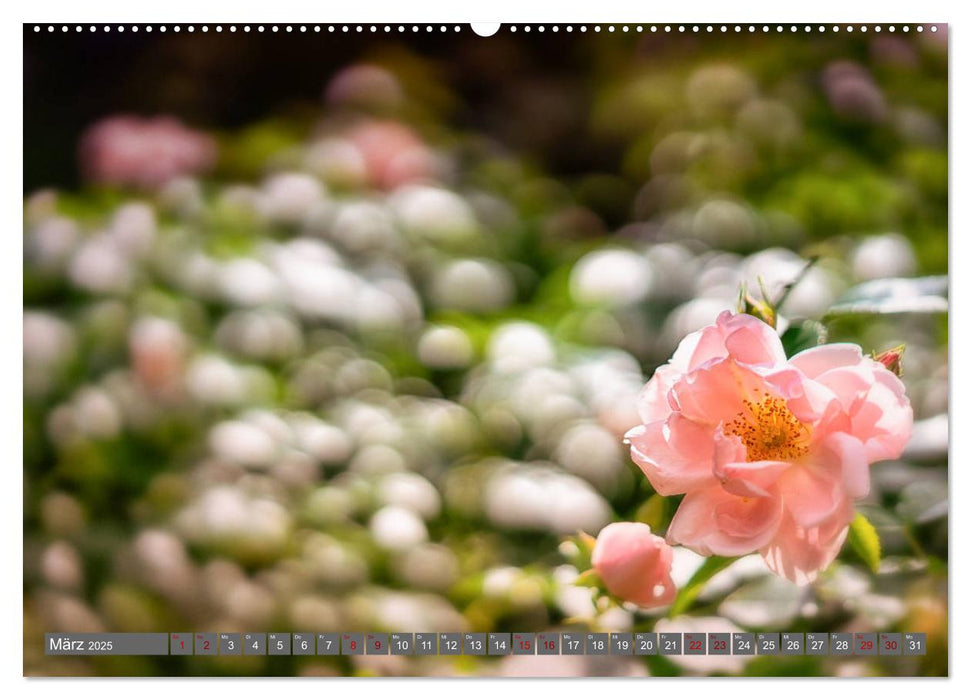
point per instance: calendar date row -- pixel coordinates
(489, 644)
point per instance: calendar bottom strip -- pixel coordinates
(487, 644)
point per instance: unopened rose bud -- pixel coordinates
(634, 564)
(891, 359)
(760, 308)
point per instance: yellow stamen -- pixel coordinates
(769, 431)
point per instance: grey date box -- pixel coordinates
(254, 644)
(621, 643)
(571, 643)
(304, 644)
(402, 644)
(352, 643)
(865, 643)
(671, 643)
(841, 644)
(230, 644)
(523, 643)
(548, 643)
(695, 643)
(206, 644)
(817, 643)
(645, 643)
(915, 643)
(793, 643)
(597, 643)
(328, 644)
(743, 643)
(426, 643)
(500, 643)
(891, 643)
(278, 643)
(719, 643)
(180, 644)
(475, 643)
(377, 643)
(767, 643)
(450, 644)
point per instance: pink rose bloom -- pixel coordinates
(635, 564)
(393, 153)
(144, 153)
(770, 453)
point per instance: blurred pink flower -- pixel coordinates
(393, 153)
(852, 92)
(144, 152)
(158, 351)
(770, 453)
(635, 564)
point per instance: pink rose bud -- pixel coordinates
(635, 564)
(891, 359)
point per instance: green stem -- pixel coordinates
(691, 590)
(792, 285)
(914, 544)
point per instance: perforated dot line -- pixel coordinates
(257, 28)
(527, 28)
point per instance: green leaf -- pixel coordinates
(582, 554)
(920, 295)
(865, 541)
(690, 591)
(803, 336)
(590, 579)
(923, 501)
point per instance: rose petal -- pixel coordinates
(850, 385)
(675, 455)
(875, 401)
(799, 554)
(885, 419)
(851, 457)
(738, 476)
(808, 400)
(753, 342)
(715, 393)
(653, 403)
(814, 361)
(709, 339)
(714, 521)
(811, 493)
